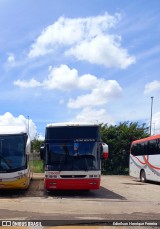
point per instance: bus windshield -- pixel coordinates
(12, 152)
(73, 155)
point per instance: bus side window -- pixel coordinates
(158, 145)
(138, 149)
(141, 151)
(152, 147)
(145, 148)
(134, 150)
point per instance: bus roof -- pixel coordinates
(12, 130)
(146, 139)
(60, 124)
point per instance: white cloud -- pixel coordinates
(65, 78)
(11, 61)
(9, 120)
(67, 31)
(103, 50)
(27, 84)
(63, 32)
(152, 86)
(92, 115)
(87, 81)
(11, 58)
(62, 78)
(86, 39)
(102, 93)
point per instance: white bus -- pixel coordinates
(15, 147)
(72, 156)
(145, 159)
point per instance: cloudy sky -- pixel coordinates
(67, 60)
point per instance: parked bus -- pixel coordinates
(15, 147)
(72, 156)
(145, 159)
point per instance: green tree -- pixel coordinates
(36, 145)
(119, 138)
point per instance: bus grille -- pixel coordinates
(72, 176)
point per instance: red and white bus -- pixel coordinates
(145, 159)
(72, 155)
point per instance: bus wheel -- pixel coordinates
(143, 176)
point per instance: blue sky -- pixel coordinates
(68, 60)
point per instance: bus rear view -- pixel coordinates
(72, 156)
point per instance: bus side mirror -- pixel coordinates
(42, 151)
(28, 146)
(104, 151)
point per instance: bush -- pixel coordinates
(37, 166)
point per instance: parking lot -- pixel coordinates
(119, 198)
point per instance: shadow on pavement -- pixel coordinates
(36, 189)
(138, 182)
(102, 193)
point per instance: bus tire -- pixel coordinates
(143, 176)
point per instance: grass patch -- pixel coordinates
(37, 166)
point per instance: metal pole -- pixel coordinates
(28, 125)
(151, 115)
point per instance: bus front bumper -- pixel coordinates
(72, 184)
(21, 183)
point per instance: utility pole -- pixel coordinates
(151, 115)
(28, 125)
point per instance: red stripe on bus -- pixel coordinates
(146, 162)
(147, 139)
(143, 163)
(152, 166)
